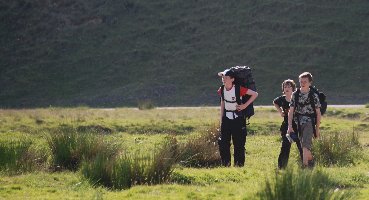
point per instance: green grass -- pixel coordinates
(303, 184)
(182, 182)
(122, 53)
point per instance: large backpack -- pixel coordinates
(243, 77)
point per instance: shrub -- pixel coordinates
(137, 169)
(337, 149)
(109, 172)
(69, 148)
(16, 156)
(301, 184)
(160, 164)
(202, 151)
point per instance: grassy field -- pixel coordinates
(142, 131)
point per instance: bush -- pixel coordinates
(202, 151)
(124, 171)
(301, 184)
(338, 149)
(13, 159)
(69, 148)
(109, 172)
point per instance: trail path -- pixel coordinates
(217, 107)
(261, 106)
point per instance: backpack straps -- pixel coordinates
(297, 95)
(239, 102)
(222, 94)
(238, 99)
(238, 91)
(311, 97)
(224, 110)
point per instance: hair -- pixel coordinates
(289, 82)
(307, 75)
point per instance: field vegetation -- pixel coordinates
(128, 153)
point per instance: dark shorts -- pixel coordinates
(306, 135)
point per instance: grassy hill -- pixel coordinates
(119, 52)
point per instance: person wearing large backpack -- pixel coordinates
(282, 104)
(305, 111)
(232, 123)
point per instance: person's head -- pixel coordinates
(305, 79)
(288, 86)
(227, 77)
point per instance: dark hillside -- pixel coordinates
(118, 52)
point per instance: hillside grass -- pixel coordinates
(121, 53)
(139, 131)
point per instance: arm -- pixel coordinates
(290, 118)
(318, 118)
(279, 109)
(253, 95)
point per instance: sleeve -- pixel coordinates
(316, 101)
(243, 91)
(278, 101)
(293, 103)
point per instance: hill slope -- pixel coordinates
(116, 53)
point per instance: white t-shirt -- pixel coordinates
(230, 101)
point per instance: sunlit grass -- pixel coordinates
(140, 132)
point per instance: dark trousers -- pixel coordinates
(234, 129)
(285, 152)
(286, 146)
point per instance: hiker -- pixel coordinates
(282, 104)
(232, 123)
(307, 119)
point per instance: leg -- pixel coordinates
(305, 156)
(239, 133)
(298, 144)
(306, 141)
(224, 142)
(285, 153)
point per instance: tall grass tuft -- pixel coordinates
(70, 147)
(302, 184)
(337, 149)
(126, 170)
(108, 171)
(14, 159)
(157, 167)
(202, 151)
